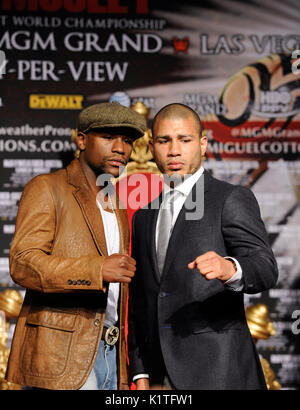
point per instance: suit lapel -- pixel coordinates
(153, 215)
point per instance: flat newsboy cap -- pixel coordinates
(111, 115)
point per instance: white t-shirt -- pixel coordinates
(112, 236)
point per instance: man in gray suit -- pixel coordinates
(187, 325)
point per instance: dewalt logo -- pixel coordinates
(55, 102)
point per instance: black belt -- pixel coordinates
(110, 335)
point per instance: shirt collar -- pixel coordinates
(186, 186)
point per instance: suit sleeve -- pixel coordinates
(246, 240)
(136, 316)
(32, 265)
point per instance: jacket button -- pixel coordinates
(162, 294)
(70, 282)
(74, 282)
(88, 282)
(97, 322)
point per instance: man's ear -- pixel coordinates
(150, 144)
(81, 139)
(203, 144)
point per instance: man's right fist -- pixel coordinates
(118, 268)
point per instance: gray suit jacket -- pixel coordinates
(195, 328)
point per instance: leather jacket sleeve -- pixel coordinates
(35, 261)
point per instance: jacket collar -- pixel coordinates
(87, 201)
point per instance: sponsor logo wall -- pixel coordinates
(236, 63)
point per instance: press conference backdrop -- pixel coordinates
(234, 62)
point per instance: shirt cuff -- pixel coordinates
(236, 282)
(140, 376)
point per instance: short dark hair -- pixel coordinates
(177, 110)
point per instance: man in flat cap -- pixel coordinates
(70, 252)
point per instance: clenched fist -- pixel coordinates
(118, 268)
(213, 266)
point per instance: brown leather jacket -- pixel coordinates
(57, 254)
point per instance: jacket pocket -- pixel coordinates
(47, 343)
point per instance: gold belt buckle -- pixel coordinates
(112, 335)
